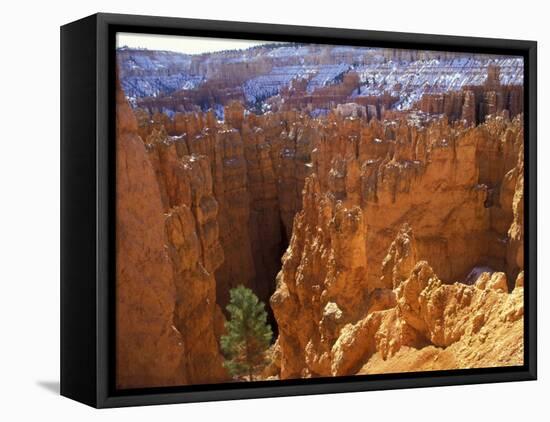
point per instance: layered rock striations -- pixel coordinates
(258, 165)
(399, 218)
(193, 245)
(168, 322)
(341, 299)
(145, 286)
(455, 185)
(319, 77)
(473, 103)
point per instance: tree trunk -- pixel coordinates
(248, 359)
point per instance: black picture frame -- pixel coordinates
(88, 198)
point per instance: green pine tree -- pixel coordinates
(248, 336)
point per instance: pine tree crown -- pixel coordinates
(248, 335)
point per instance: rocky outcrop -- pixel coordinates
(258, 165)
(474, 103)
(149, 347)
(317, 78)
(234, 198)
(515, 244)
(457, 326)
(426, 325)
(340, 301)
(193, 245)
(400, 216)
(168, 249)
(264, 223)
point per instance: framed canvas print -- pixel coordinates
(253, 210)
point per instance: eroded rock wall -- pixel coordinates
(168, 322)
(459, 190)
(145, 286)
(258, 165)
(368, 208)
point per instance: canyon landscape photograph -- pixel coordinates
(291, 210)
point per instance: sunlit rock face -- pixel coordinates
(339, 189)
(145, 286)
(168, 322)
(257, 166)
(373, 201)
(382, 249)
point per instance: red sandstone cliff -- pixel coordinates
(341, 300)
(168, 322)
(145, 289)
(382, 218)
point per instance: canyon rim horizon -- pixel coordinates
(371, 198)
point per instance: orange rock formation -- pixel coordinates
(168, 248)
(348, 293)
(145, 289)
(403, 239)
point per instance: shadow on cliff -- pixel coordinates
(283, 246)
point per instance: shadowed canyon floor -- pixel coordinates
(383, 239)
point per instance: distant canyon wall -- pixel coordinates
(318, 78)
